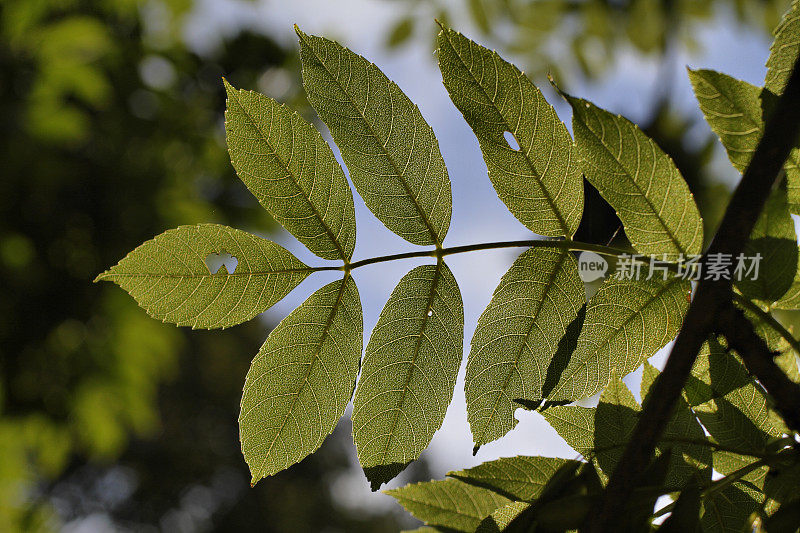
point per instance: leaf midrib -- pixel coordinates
(285, 165)
(551, 202)
(260, 273)
(326, 329)
(400, 175)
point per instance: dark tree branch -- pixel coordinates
(780, 134)
(758, 358)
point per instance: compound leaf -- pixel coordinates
(517, 478)
(523, 339)
(627, 321)
(639, 180)
(301, 380)
(449, 503)
(390, 150)
(409, 372)
(539, 178)
(291, 170)
(784, 50)
(169, 278)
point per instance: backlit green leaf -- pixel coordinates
(523, 339)
(517, 478)
(301, 380)
(688, 461)
(639, 180)
(409, 372)
(501, 518)
(602, 432)
(784, 50)
(732, 408)
(169, 278)
(627, 321)
(291, 170)
(448, 502)
(728, 510)
(791, 298)
(773, 240)
(537, 175)
(735, 111)
(390, 151)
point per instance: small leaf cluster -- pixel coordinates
(539, 343)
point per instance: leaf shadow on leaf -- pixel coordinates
(612, 428)
(380, 474)
(564, 351)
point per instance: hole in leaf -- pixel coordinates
(512, 142)
(215, 263)
(430, 312)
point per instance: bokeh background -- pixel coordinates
(112, 132)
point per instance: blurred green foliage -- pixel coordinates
(112, 133)
(586, 36)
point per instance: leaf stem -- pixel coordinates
(529, 243)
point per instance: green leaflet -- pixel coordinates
(732, 408)
(390, 150)
(522, 340)
(409, 372)
(540, 179)
(790, 299)
(688, 460)
(627, 321)
(448, 502)
(728, 510)
(301, 380)
(735, 111)
(775, 240)
(603, 432)
(501, 518)
(784, 50)
(291, 170)
(517, 478)
(169, 278)
(600, 432)
(639, 180)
